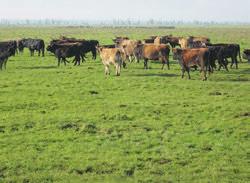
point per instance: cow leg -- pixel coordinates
(145, 63)
(94, 54)
(236, 62)
(182, 72)
(59, 61)
(43, 52)
(163, 64)
(5, 63)
(124, 64)
(83, 58)
(39, 52)
(204, 74)
(78, 60)
(188, 71)
(107, 70)
(118, 69)
(31, 52)
(64, 61)
(1, 64)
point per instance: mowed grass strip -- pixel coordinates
(74, 124)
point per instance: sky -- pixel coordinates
(181, 10)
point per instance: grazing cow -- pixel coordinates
(153, 52)
(67, 50)
(33, 45)
(111, 56)
(192, 57)
(246, 55)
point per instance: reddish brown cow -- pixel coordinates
(192, 57)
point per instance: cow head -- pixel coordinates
(51, 48)
(20, 45)
(177, 53)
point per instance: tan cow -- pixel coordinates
(183, 43)
(153, 52)
(158, 40)
(111, 56)
(129, 47)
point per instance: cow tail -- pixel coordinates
(119, 58)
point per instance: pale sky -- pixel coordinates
(186, 10)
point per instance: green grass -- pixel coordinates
(74, 124)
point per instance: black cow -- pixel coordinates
(214, 55)
(4, 56)
(33, 45)
(86, 45)
(12, 45)
(67, 50)
(228, 51)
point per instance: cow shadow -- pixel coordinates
(156, 75)
(38, 67)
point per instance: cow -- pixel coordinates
(183, 42)
(4, 56)
(158, 52)
(86, 45)
(204, 40)
(111, 56)
(173, 41)
(228, 51)
(214, 55)
(119, 39)
(66, 50)
(193, 42)
(129, 47)
(12, 45)
(32, 44)
(190, 57)
(246, 55)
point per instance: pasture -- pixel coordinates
(74, 124)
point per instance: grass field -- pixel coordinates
(74, 124)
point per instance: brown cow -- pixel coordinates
(111, 56)
(192, 57)
(153, 52)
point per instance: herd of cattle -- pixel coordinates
(196, 52)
